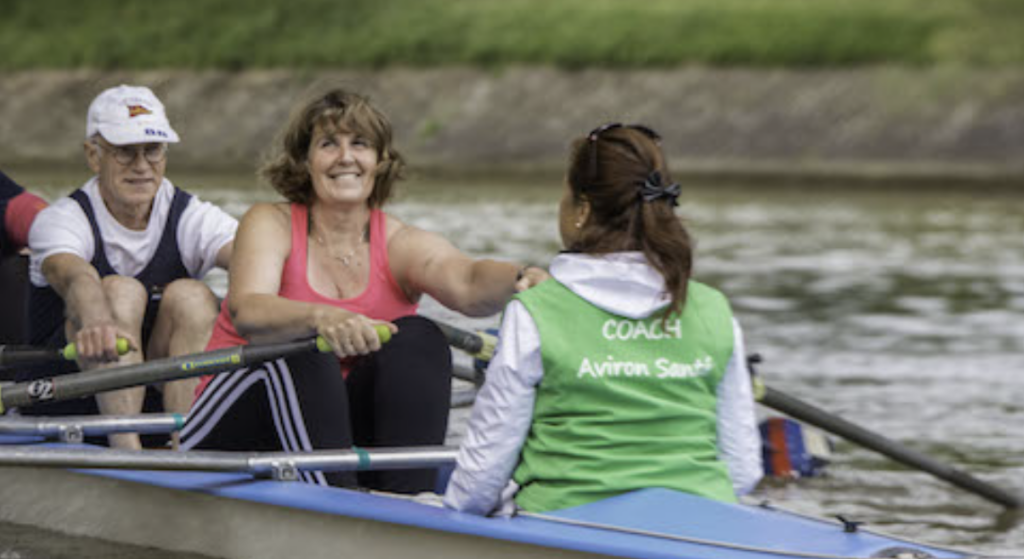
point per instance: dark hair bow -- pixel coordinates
(652, 189)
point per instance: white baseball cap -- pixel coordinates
(129, 115)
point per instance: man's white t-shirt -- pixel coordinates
(64, 228)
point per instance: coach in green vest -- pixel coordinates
(622, 372)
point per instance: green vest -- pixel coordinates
(624, 404)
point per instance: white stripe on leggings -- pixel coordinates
(286, 413)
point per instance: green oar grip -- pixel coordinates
(759, 388)
(486, 353)
(70, 352)
(383, 332)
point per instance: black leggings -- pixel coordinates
(398, 396)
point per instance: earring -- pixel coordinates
(579, 224)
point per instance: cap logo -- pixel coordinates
(137, 110)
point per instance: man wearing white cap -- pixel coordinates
(122, 257)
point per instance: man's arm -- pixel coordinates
(79, 284)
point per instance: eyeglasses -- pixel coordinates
(595, 134)
(125, 155)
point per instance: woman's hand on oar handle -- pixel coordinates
(383, 332)
(349, 334)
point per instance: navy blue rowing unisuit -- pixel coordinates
(46, 307)
(8, 190)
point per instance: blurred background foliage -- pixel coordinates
(316, 34)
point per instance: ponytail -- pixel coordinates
(621, 172)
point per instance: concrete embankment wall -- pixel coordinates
(872, 122)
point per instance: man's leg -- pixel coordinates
(127, 299)
(183, 325)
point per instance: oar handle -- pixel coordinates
(70, 351)
(478, 345)
(383, 332)
(88, 383)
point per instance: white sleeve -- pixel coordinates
(501, 417)
(739, 440)
(60, 228)
(204, 229)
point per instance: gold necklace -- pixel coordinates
(345, 259)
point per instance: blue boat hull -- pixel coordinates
(204, 511)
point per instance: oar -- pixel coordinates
(17, 355)
(834, 424)
(803, 411)
(280, 465)
(479, 345)
(88, 383)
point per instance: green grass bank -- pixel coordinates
(568, 34)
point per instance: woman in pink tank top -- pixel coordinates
(329, 262)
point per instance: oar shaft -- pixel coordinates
(20, 356)
(815, 416)
(470, 342)
(87, 383)
(258, 463)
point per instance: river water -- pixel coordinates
(900, 308)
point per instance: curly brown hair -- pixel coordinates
(335, 110)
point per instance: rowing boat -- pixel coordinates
(245, 515)
(242, 515)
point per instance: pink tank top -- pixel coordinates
(382, 299)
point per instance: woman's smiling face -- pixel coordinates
(342, 165)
